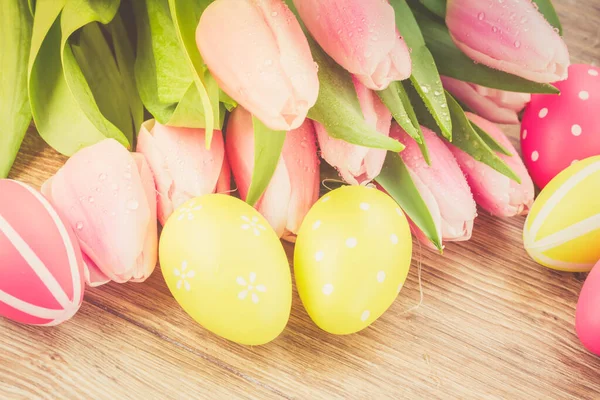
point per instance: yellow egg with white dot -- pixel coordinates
(562, 230)
(352, 257)
(227, 269)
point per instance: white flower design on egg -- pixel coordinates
(250, 288)
(183, 276)
(188, 211)
(252, 223)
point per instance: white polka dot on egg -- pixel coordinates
(543, 112)
(524, 133)
(365, 315)
(593, 72)
(351, 242)
(584, 95)
(316, 225)
(394, 238)
(365, 206)
(381, 276)
(327, 289)
(319, 255)
(535, 156)
(576, 130)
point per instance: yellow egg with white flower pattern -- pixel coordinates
(352, 257)
(227, 269)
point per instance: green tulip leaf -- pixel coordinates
(396, 100)
(337, 107)
(490, 141)
(464, 135)
(15, 40)
(267, 151)
(62, 103)
(437, 7)
(425, 75)
(125, 58)
(454, 63)
(397, 181)
(94, 58)
(167, 93)
(547, 9)
(186, 15)
(31, 6)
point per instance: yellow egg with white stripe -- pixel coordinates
(351, 259)
(562, 230)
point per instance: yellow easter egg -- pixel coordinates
(352, 257)
(227, 269)
(562, 230)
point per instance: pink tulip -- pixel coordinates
(442, 186)
(260, 57)
(108, 197)
(510, 36)
(294, 187)
(361, 36)
(182, 166)
(493, 191)
(498, 106)
(357, 164)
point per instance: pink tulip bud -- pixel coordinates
(442, 186)
(510, 36)
(361, 36)
(357, 164)
(260, 57)
(294, 187)
(494, 192)
(182, 166)
(108, 197)
(498, 106)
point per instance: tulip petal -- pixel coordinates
(109, 203)
(445, 181)
(493, 191)
(260, 58)
(495, 105)
(358, 164)
(361, 36)
(182, 166)
(517, 39)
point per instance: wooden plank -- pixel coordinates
(493, 324)
(98, 355)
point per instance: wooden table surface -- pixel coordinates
(493, 324)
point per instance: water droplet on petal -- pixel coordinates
(133, 204)
(274, 14)
(481, 16)
(79, 226)
(517, 44)
(102, 177)
(127, 175)
(91, 199)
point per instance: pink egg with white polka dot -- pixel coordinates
(559, 130)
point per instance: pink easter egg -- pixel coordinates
(587, 317)
(41, 266)
(558, 130)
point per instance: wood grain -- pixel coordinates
(492, 325)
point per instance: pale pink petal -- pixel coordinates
(510, 36)
(182, 166)
(444, 179)
(261, 58)
(101, 192)
(361, 36)
(301, 161)
(224, 182)
(493, 191)
(484, 102)
(358, 164)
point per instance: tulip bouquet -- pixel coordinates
(402, 93)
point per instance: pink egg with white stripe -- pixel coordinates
(41, 266)
(558, 130)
